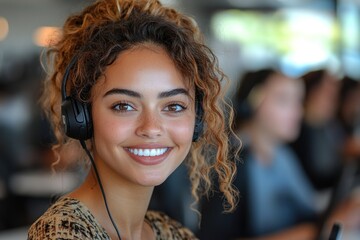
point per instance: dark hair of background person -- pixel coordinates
(318, 145)
(348, 86)
(312, 80)
(242, 106)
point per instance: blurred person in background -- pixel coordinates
(319, 144)
(349, 116)
(276, 197)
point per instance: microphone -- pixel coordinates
(336, 231)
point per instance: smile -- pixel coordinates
(149, 156)
(147, 152)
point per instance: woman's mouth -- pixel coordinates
(148, 156)
(148, 152)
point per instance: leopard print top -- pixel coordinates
(69, 219)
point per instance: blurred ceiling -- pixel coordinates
(25, 16)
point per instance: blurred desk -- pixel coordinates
(43, 183)
(14, 234)
(32, 192)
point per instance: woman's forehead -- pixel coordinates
(143, 67)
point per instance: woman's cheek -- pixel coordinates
(114, 127)
(181, 131)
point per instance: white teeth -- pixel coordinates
(148, 152)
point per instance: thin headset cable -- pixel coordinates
(101, 187)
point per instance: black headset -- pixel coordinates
(199, 115)
(76, 115)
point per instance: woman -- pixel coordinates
(348, 115)
(276, 198)
(320, 141)
(140, 90)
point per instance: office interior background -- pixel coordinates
(294, 36)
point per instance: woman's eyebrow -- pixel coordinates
(122, 91)
(132, 93)
(173, 92)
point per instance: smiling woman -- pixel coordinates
(149, 111)
(142, 93)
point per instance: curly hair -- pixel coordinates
(106, 28)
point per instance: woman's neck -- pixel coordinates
(127, 204)
(263, 144)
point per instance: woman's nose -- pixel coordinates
(150, 125)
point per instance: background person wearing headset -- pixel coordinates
(277, 200)
(133, 81)
(275, 195)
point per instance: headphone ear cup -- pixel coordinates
(197, 130)
(76, 118)
(199, 123)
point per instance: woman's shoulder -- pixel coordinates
(165, 227)
(67, 218)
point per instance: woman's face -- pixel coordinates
(323, 99)
(280, 111)
(143, 116)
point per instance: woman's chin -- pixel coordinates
(152, 181)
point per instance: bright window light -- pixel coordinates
(4, 28)
(46, 36)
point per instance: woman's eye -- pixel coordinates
(174, 108)
(123, 107)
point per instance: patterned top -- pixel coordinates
(68, 218)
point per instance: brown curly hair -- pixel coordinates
(101, 31)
